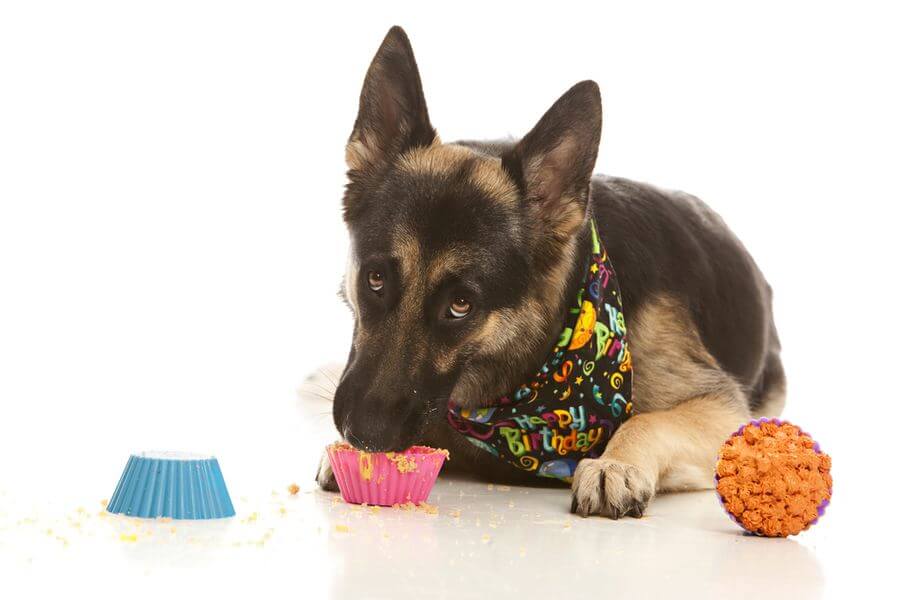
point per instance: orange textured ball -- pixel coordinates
(773, 479)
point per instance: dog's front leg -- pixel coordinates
(673, 449)
(325, 476)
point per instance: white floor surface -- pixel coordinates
(474, 540)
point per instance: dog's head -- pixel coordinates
(460, 253)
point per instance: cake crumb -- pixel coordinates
(503, 488)
(342, 529)
(126, 537)
(402, 462)
(293, 489)
(485, 538)
(282, 511)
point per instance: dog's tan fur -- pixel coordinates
(440, 159)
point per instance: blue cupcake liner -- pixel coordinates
(171, 485)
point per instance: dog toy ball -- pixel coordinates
(773, 479)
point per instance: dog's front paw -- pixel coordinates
(610, 488)
(325, 476)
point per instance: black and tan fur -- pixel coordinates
(505, 226)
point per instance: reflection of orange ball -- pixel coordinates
(773, 479)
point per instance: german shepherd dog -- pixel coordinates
(464, 258)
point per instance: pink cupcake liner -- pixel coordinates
(816, 448)
(385, 478)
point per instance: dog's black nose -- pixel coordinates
(376, 422)
(375, 431)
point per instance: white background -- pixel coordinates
(170, 183)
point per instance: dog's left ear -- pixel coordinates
(554, 162)
(392, 114)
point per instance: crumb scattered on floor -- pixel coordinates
(293, 489)
(428, 508)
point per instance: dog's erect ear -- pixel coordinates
(554, 162)
(392, 113)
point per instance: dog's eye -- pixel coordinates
(376, 281)
(459, 308)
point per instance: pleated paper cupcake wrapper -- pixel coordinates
(756, 422)
(171, 485)
(373, 478)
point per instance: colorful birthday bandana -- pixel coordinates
(571, 407)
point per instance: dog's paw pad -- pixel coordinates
(610, 488)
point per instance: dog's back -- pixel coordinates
(672, 244)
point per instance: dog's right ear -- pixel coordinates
(392, 113)
(553, 163)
